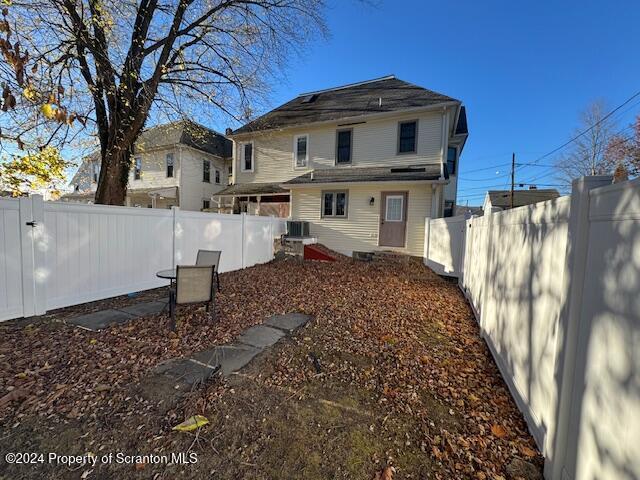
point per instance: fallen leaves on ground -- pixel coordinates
(389, 327)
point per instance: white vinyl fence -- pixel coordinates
(444, 245)
(556, 291)
(54, 254)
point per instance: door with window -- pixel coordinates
(393, 219)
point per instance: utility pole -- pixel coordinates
(513, 175)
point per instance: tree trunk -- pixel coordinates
(114, 175)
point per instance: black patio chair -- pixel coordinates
(210, 257)
(194, 284)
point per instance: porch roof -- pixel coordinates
(242, 189)
(369, 174)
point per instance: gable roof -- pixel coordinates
(382, 95)
(502, 198)
(188, 133)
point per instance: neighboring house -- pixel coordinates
(501, 199)
(364, 163)
(180, 163)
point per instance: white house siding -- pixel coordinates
(192, 189)
(374, 143)
(154, 170)
(359, 231)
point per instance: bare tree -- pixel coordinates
(623, 151)
(107, 66)
(587, 154)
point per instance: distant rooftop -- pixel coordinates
(380, 95)
(502, 198)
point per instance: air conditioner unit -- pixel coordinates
(298, 229)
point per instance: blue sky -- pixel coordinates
(525, 69)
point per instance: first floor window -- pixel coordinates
(206, 171)
(452, 157)
(334, 204)
(343, 146)
(169, 160)
(217, 176)
(206, 204)
(137, 169)
(301, 150)
(247, 157)
(407, 137)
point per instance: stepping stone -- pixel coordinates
(288, 322)
(183, 372)
(260, 336)
(98, 320)
(230, 358)
(143, 309)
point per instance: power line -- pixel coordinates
(588, 129)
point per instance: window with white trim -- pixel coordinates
(301, 150)
(335, 203)
(137, 171)
(246, 157)
(206, 171)
(407, 133)
(169, 160)
(393, 208)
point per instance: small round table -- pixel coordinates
(169, 274)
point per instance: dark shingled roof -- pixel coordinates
(368, 174)
(502, 198)
(185, 132)
(252, 189)
(348, 101)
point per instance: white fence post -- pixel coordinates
(26, 247)
(174, 211)
(40, 292)
(243, 218)
(569, 321)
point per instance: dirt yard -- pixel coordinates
(390, 373)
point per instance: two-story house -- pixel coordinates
(364, 163)
(181, 163)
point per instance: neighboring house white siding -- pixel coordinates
(359, 231)
(154, 169)
(193, 189)
(374, 143)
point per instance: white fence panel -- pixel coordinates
(445, 245)
(209, 231)
(604, 426)
(259, 235)
(520, 265)
(93, 252)
(10, 260)
(53, 255)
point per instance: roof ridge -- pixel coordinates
(349, 85)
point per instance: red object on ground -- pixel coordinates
(311, 252)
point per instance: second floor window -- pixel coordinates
(452, 157)
(247, 157)
(300, 146)
(206, 171)
(137, 171)
(343, 146)
(96, 172)
(407, 132)
(169, 159)
(217, 175)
